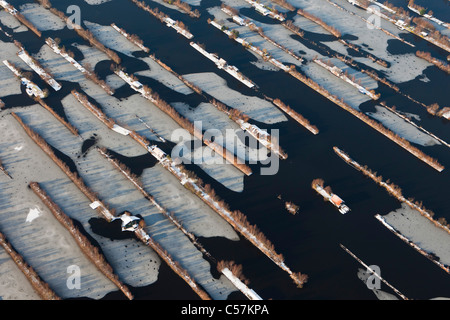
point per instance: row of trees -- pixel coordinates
(185, 7)
(85, 34)
(421, 9)
(374, 124)
(92, 252)
(174, 265)
(73, 176)
(420, 23)
(320, 22)
(435, 110)
(296, 116)
(235, 268)
(66, 123)
(289, 24)
(397, 192)
(133, 38)
(47, 76)
(22, 19)
(439, 63)
(158, 14)
(39, 285)
(88, 71)
(285, 4)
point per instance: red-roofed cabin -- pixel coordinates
(336, 200)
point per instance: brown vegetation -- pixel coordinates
(24, 20)
(291, 207)
(138, 184)
(186, 82)
(3, 169)
(234, 114)
(396, 191)
(93, 76)
(77, 180)
(317, 182)
(374, 124)
(289, 24)
(236, 270)
(133, 38)
(284, 4)
(185, 7)
(433, 109)
(41, 287)
(67, 124)
(438, 63)
(296, 116)
(91, 251)
(421, 9)
(85, 34)
(320, 22)
(89, 36)
(45, 3)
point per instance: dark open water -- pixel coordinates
(310, 240)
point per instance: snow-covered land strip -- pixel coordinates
(254, 107)
(265, 10)
(31, 88)
(415, 227)
(432, 135)
(222, 64)
(340, 74)
(54, 46)
(392, 189)
(30, 61)
(249, 46)
(173, 24)
(249, 293)
(132, 39)
(403, 127)
(14, 12)
(263, 137)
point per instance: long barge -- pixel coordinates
(331, 197)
